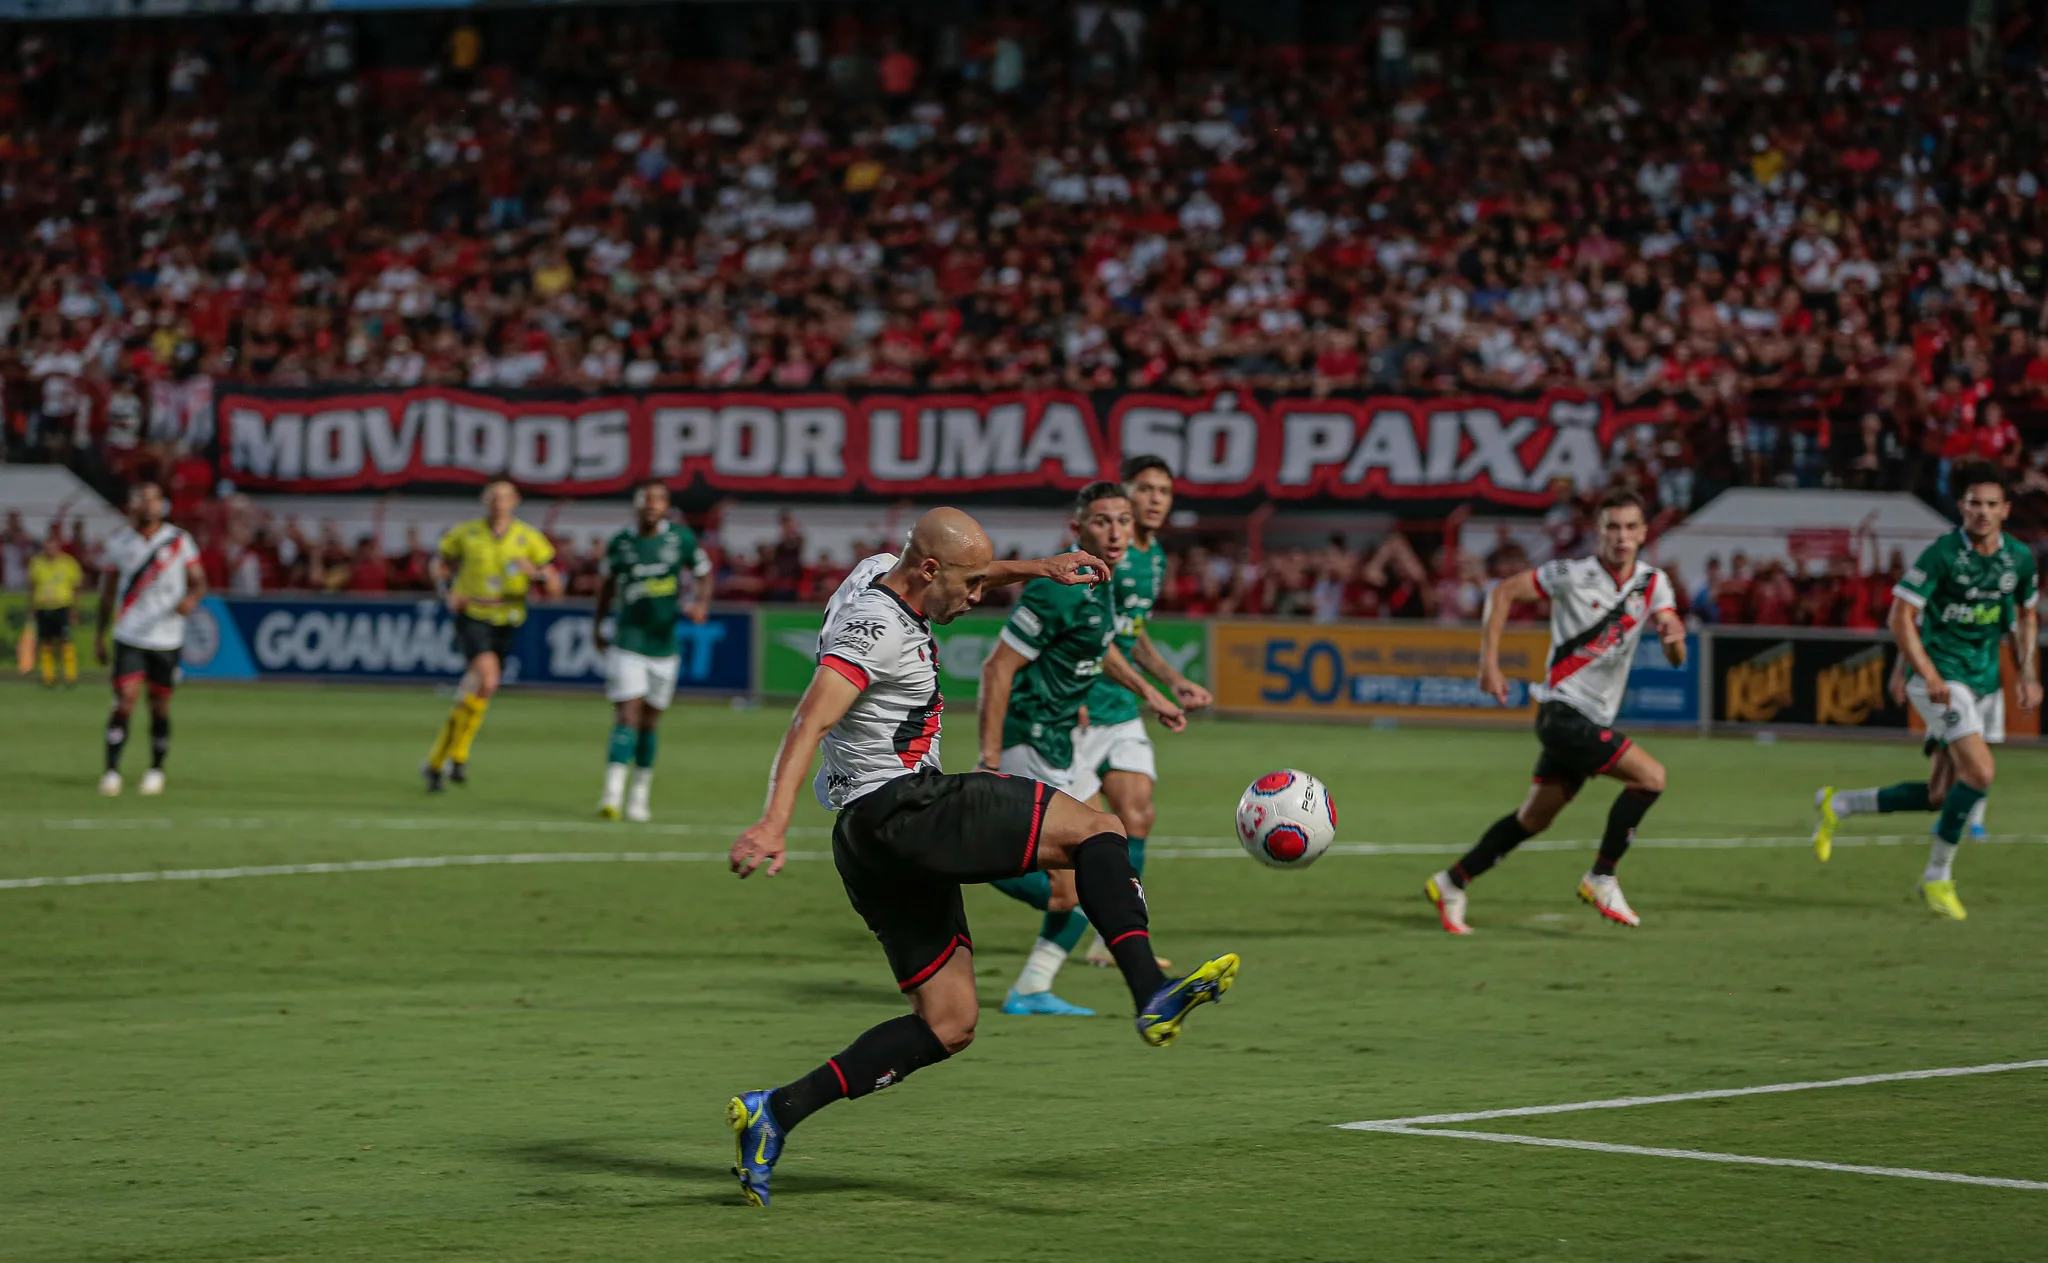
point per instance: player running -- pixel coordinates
(1060, 641)
(54, 577)
(151, 584)
(1599, 606)
(1964, 594)
(642, 571)
(909, 835)
(496, 560)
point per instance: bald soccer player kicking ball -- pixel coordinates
(909, 836)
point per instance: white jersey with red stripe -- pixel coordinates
(1595, 622)
(874, 639)
(149, 583)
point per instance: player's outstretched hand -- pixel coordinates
(1493, 683)
(762, 843)
(1076, 567)
(1192, 696)
(1173, 717)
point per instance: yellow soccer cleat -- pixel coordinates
(1824, 832)
(1159, 1021)
(608, 811)
(1942, 901)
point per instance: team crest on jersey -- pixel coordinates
(2007, 582)
(868, 627)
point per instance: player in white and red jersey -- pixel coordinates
(152, 581)
(909, 836)
(1599, 606)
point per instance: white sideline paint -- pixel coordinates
(1174, 847)
(1427, 1125)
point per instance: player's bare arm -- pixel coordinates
(443, 575)
(1896, 686)
(1068, 568)
(822, 706)
(998, 675)
(549, 576)
(1146, 657)
(1505, 596)
(108, 587)
(1119, 668)
(1671, 636)
(195, 589)
(1905, 625)
(600, 611)
(2026, 654)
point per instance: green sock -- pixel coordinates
(1904, 796)
(1064, 928)
(1955, 811)
(643, 750)
(1032, 888)
(1136, 846)
(621, 749)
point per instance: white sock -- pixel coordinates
(1040, 967)
(1940, 860)
(643, 780)
(1976, 820)
(1851, 802)
(614, 783)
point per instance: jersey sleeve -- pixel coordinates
(2028, 594)
(611, 563)
(1662, 597)
(450, 546)
(863, 647)
(540, 550)
(1551, 577)
(1036, 620)
(1916, 586)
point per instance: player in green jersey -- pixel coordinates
(1057, 644)
(1962, 597)
(1112, 752)
(642, 578)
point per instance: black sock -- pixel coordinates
(1114, 903)
(117, 736)
(883, 1055)
(1622, 818)
(1504, 835)
(159, 739)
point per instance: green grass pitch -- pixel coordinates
(530, 1063)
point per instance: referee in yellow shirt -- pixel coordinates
(54, 577)
(485, 570)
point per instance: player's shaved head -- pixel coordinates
(951, 538)
(945, 564)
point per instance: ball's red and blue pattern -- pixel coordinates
(1286, 819)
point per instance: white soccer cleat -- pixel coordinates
(152, 782)
(110, 784)
(637, 809)
(1604, 893)
(1449, 899)
(609, 802)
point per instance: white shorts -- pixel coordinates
(635, 677)
(1099, 748)
(1025, 761)
(1965, 713)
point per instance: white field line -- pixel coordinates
(1428, 1125)
(1173, 847)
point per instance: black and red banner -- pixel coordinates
(1506, 450)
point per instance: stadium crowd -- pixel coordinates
(1817, 262)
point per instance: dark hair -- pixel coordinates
(1621, 498)
(1135, 465)
(649, 484)
(495, 479)
(1103, 490)
(1976, 473)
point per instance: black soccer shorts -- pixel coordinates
(904, 850)
(159, 667)
(1574, 747)
(474, 636)
(53, 626)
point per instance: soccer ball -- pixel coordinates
(1286, 819)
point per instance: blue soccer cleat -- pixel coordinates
(1041, 1004)
(1977, 833)
(759, 1141)
(1160, 1021)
